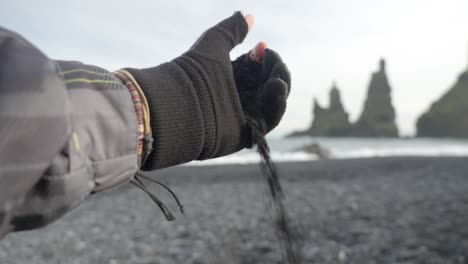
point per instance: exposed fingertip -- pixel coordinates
(257, 53)
(250, 21)
(260, 49)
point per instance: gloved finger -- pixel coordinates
(270, 59)
(273, 104)
(280, 70)
(225, 35)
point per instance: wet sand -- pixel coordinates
(382, 210)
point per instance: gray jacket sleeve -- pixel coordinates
(66, 130)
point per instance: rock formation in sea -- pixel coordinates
(378, 117)
(448, 116)
(329, 122)
(317, 149)
(332, 121)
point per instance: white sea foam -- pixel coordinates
(284, 150)
(404, 151)
(253, 157)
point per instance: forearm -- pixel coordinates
(34, 121)
(67, 130)
(104, 121)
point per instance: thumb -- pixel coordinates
(226, 34)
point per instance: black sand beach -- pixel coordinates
(382, 210)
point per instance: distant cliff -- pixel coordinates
(448, 116)
(378, 117)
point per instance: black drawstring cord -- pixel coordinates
(141, 185)
(181, 207)
(163, 208)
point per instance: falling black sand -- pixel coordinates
(289, 241)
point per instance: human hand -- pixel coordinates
(200, 101)
(263, 82)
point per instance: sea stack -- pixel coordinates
(378, 117)
(328, 122)
(448, 116)
(332, 121)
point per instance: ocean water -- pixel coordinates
(288, 149)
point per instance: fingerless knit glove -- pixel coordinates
(195, 107)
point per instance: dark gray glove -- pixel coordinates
(195, 108)
(263, 88)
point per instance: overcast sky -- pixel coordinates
(425, 42)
